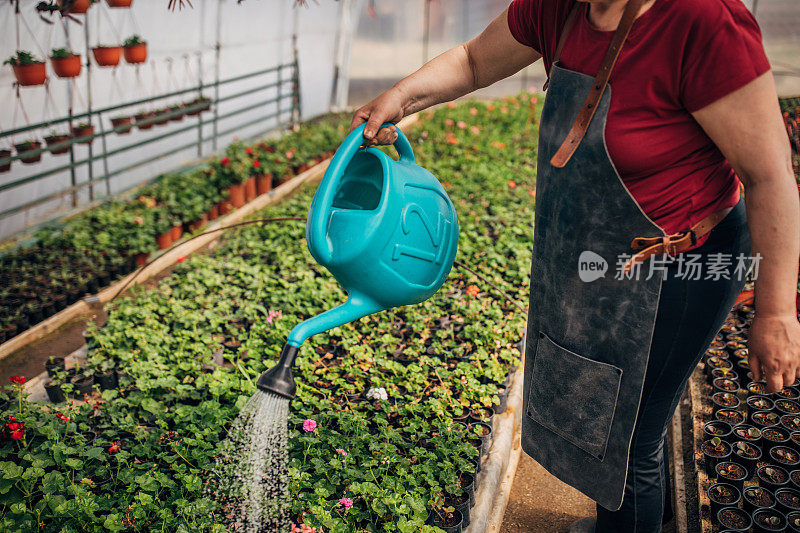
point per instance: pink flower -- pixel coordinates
(341, 452)
(461, 124)
(309, 425)
(475, 130)
(290, 154)
(532, 192)
(449, 122)
(17, 379)
(273, 315)
(139, 220)
(473, 110)
(347, 502)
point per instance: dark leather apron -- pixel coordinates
(587, 341)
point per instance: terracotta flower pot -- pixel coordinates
(177, 232)
(119, 3)
(197, 224)
(30, 75)
(141, 117)
(263, 184)
(5, 167)
(236, 195)
(213, 213)
(67, 67)
(83, 132)
(29, 147)
(250, 189)
(164, 240)
(225, 207)
(107, 56)
(78, 8)
(57, 139)
(123, 125)
(136, 54)
(141, 259)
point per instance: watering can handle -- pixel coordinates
(320, 212)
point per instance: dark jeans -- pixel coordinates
(690, 313)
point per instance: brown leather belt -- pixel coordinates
(672, 244)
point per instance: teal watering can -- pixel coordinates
(385, 229)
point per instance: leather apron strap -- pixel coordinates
(578, 131)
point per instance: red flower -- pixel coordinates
(248, 151)
(256, 163)
(181, 259)
(61, 417)
(472, 290)
(17, 379)
(512, 183)
(13, 426)
(270, 149)
(16, 435)
(224, 161)
(115, 447)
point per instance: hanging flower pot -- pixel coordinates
(28, 70)
(197, 106)
(135, 50)
(107, 56)
(144, 120)
(176, 113)
(84, 129)
(5, 167)
(79, 7)
(119, 3)
(54, 139)
(29, 146)
(162, 116)
(122, 124)
(65, 63)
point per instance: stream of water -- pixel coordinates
(251, 472)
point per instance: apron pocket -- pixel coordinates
(573, 396)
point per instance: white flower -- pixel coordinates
(377, 394)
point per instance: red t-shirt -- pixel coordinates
(680, 56)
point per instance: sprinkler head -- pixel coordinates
(279, 379)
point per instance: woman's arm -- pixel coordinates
(746, 125)
(491, 56)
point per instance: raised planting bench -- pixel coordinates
(138, 456)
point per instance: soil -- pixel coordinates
(733, 518)
(765, 418)
(722, 494)
(784, 455)
(775, 475)
(789, 499)
(774, 435)
(730, 416)
(723, 448)
(742, 433)
(726, 399)
(791, 422)
(761, 498)
(788, 406)
(726, 385)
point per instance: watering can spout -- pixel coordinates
(355, 307)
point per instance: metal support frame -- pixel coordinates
(103, 153)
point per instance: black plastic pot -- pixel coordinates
(107, 381)
(722, 495)
(794, 521)
(748, 460)
(54, 364)
(757, 402)
(787, 500)
(774, 436)
(729, 374)
(757, 498)
(467, 482)
(785, 456)
(763, 419)
(83, 385)
(725, 385)
(747, 433)
(486, 440)
(713, 457)
(790, 393)
(734, 519)
(457, 521)
(502, 400)
(716, 428)
(786, 406)
(54, 392)
(760, 527)
(724, 400)
(461, 503)
(732, 473)
(774, 482)
(791, 422)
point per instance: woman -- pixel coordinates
(656, 109)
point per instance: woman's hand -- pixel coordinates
(774, 350)
(388, 107)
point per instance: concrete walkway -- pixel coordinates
(540, 503)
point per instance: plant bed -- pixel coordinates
(253, 287)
